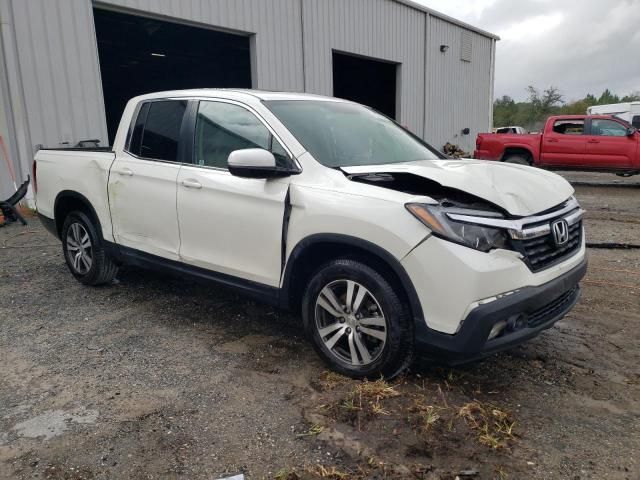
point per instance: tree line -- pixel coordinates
(532, 113)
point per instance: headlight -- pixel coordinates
(479, 237)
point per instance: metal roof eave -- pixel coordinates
(447, 18)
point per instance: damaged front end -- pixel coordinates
(542, 240)
(446, 201)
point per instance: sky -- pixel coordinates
(579, 46)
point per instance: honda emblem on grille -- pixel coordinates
(560, 230)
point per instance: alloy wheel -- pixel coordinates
(350, 322)
(79, 248)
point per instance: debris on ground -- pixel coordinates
(455, 151)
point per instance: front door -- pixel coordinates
(229, 224)
(608, 145)
(142, 181)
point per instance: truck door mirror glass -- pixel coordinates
(631, 131)
(255, 163)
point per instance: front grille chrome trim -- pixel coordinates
(521, 223)
(544, 230)
(532, 236)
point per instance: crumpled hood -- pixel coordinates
(520, 190)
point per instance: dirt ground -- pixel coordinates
(159, 377)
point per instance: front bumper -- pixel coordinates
(528, 311)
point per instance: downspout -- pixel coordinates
(492, 80)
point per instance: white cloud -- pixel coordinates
(580, 46)
(531, 28)
(461, 9)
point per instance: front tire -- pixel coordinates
(357, 322)
(84, 251)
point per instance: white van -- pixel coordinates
(629, 111)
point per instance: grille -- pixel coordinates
(542, 252)
(551, 309)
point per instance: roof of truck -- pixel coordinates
(236, 93)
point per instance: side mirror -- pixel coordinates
(631, 131)
(255, 163)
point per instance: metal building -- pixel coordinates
(68, 66)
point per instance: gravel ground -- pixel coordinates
(161, 377)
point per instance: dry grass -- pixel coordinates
(331, 473)
(367, 398)
(427, 415)
(501, 474)
(422, 417)
(330, 380)
(364, 401)
(316, 472)
(494, 426)
(314, 429)
(368, 395)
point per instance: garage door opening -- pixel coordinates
(366, 81)
(140, 55)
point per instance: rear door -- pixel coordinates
(229, 224)
(608, 145)
(564, 144)
(142, 181)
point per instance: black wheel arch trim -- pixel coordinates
(347, 240)
(517, 150)
(77, 196)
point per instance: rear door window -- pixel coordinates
(568, 127)
(635, 121)
(156, 133)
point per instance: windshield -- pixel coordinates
(341, 134)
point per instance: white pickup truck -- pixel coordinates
(325, 207)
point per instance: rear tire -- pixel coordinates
(518, 160)
(84, 251)
(357, 321)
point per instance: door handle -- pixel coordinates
(553, 140)
(190, 183)
(127, 172)
(593, 140)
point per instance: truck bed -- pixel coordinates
(79, 149)
(81, 170)
(492, 146)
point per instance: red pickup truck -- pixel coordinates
(569, 142)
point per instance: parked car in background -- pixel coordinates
(514, 130)
(628, 111)
(327, 208)
(572, 142)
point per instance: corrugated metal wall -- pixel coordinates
(458, 93)
(58, 70)
(374, 28)
(53, 78)
(51, 87)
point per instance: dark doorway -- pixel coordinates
(141, 55)
(366, 81)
